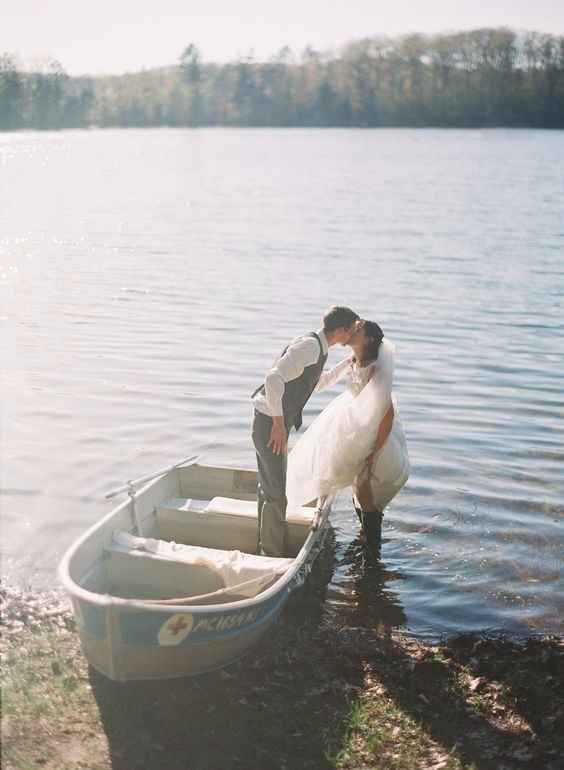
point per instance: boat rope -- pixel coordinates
(219, 592)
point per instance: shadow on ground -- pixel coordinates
(285, 705)
(490, 702)
(494, 702)
(338, 686)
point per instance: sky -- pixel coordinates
(116, 36)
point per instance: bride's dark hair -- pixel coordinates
(374, 335)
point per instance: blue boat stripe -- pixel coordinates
(142, 628)
(225, 634)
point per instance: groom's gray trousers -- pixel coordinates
(271, 490)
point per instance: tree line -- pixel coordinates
(480, 78)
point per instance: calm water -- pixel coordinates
(148, 278)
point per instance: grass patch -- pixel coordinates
(47, 702)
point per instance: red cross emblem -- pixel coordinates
(179, 625)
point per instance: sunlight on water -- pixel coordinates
(148, 278)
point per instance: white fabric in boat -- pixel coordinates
(233, 567)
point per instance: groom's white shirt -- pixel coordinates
(302, 352)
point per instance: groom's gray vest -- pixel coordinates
(298, 391)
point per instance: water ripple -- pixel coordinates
(143, 315)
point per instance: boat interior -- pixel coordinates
(193, 540)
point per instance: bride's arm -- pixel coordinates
(333, 375)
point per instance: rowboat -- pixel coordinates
(169, 584)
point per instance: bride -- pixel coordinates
(358, 440)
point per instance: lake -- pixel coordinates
(149, 277)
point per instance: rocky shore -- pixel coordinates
(25, 610)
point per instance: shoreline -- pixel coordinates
(312, 696)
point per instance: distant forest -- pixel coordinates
(480, 78)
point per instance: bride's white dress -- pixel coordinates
(332, 452)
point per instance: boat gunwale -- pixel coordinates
(108, 601)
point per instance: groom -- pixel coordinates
(278, 405)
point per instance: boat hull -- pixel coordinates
(128, 639)
(120, 659)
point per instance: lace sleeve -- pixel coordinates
(335, 374)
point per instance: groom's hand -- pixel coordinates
(278, 438)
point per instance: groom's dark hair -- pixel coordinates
(338, 317)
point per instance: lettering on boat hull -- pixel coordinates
(181, 625)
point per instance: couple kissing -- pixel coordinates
(357, 441)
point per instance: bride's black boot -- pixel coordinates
(372, 525)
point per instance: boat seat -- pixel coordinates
(224, 522)
(140, 567)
